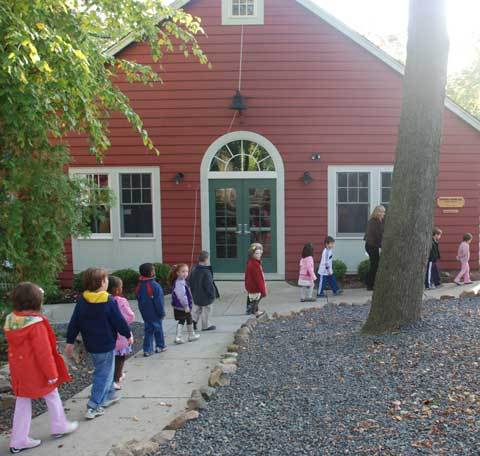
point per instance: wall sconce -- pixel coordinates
(238, 102)
(316, 156)
(307, 178)
(179, 178)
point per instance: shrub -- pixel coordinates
(339, 269)
(129, 278)
(161, 271)
(77, 283)
(363, 269)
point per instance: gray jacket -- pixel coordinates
(202, 286)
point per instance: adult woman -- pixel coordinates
(373, 243)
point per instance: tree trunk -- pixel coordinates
(397, 298)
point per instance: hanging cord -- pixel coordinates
(195, 218)
(240, 67)
(240, 70)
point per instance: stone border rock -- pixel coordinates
(219, 377)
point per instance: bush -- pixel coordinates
(339, 269)
(129, 278)
(77, 283)
(363, 269)
(161, 271)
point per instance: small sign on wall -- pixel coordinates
(451, 202)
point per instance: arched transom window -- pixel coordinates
(242, 155)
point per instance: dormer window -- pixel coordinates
(242, 12)
(243, 8)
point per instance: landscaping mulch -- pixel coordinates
(81, 374)
(313, 385)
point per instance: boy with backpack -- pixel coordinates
(150, 303)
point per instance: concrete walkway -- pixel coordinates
(156, 389)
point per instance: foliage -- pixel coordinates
(363, 268)
(7, 282)
(55, 79)
(161, 271)
(339, 269)
(464, 87)
(129, 278)
(77, 284)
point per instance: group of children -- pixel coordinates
(326, 276)
(102, 316)
(432, 276)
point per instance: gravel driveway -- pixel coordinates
(312, 385)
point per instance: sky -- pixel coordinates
(385, 17)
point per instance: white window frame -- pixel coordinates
(113, 173)
(229, 19)
(135, 171)
(375, 192)
(83, 173)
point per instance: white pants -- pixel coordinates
(200, 315)
(306, 292)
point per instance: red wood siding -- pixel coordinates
(309, 89)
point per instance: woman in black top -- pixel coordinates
(373, 243)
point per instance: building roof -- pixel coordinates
(341, 27)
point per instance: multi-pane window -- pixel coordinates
(386, 188)
(243, 8)
(136, 208)
(353, 202)
(242, 155)
(96, 192)
(226, 223)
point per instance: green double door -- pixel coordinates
(242, 211)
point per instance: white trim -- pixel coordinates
(154, 191)
(279, 174)
(242, 175)
(94, 236)
(374, 196)
(115, 239)
(343, 28)
(229, 19)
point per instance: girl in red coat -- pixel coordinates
(36, 367)
(255, 279)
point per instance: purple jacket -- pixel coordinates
(181, 295)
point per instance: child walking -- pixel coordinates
(97, 318)
(306, 276)
(122, 348)
(255, 279)
(203, 291)
(36, 367)
(432, 276)
(151, 305)
(463, 256)
(182, 302)
(325, 270)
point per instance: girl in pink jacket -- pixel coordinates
(306, 276)
(463, 256)
(122, 348)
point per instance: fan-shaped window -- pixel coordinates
(242, 155)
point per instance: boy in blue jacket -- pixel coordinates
(150, 303)
(98, 319)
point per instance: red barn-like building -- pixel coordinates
(311, 154)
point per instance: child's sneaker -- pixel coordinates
(117, 386)
(321, 295)
(72, 426)
(160, 350)
(115, 398)
(93, 413)
(192, 337)
(147, 354)
(339, 292)
(32, 443)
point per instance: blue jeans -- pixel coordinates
(102, 382)
(324, 280)
(153, 329)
